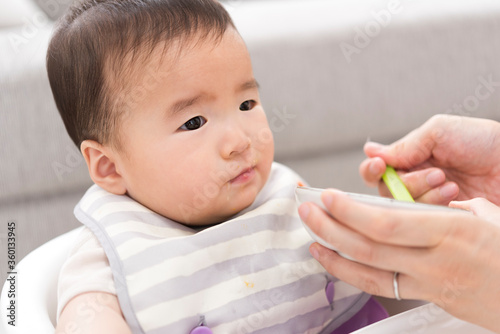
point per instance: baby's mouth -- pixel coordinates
(245, 176)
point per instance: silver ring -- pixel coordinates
(396, 286)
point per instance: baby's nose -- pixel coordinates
(234, 142)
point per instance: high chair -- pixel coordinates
(36, 288)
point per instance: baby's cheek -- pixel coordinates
(264, 137)
(262, 134)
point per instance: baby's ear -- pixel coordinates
(101, 162)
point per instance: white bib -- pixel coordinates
(250, 274)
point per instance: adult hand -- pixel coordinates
(451, 259)
(449, 157)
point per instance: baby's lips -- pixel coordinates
(244, 175)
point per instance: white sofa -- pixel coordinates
(332, 74)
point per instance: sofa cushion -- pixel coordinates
(38, 158)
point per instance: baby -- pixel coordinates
(190, 226)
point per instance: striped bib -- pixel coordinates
(250, 274)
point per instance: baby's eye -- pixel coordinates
(194, 123)
(247, 105)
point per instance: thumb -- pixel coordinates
(406, 153)
(481, 208)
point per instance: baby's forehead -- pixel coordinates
(143, 66)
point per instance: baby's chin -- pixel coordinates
(208, 218)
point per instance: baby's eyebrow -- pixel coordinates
(182, 104)
(250, 84)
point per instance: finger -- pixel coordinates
(408, 152)
(415, 228)
(383, 190)
(476, 205)
(339, 236)
(421, 181)
(355, 245)
(481, 207)
(441, 195)
(418, 182)
(371, 170)
(369, 279)
(429, 186)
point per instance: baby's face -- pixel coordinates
(197, 148)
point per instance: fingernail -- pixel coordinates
(448, 190)
(435, 178)
(314, 252)
(304, 210)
